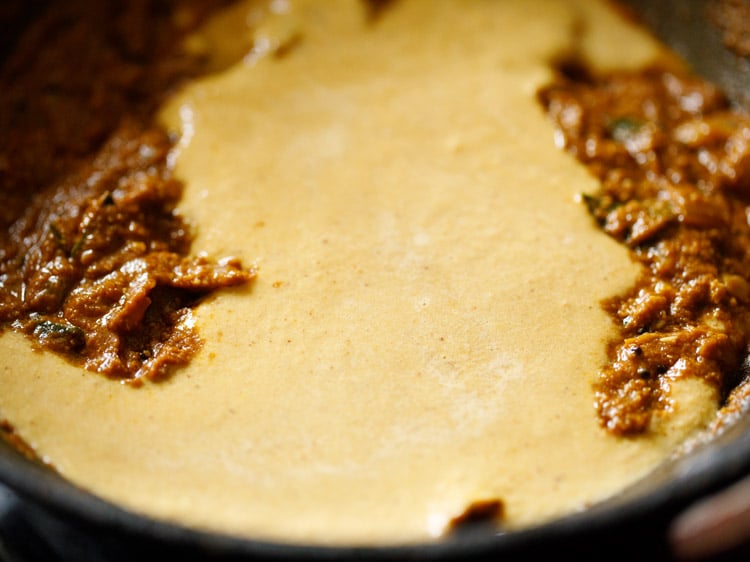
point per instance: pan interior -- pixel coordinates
(403, 353)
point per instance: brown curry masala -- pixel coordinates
(94, 258)
(95, 263)
(673, 161)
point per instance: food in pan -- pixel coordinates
(362, 272)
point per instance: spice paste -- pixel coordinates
(94, 259)
(673, 159)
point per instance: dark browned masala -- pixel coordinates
(488, 511)
(673, 161)
(94, 258)
(732, 17)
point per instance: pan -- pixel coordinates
(74, 524)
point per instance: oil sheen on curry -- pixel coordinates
(357, 272)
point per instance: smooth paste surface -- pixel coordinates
(425, 327)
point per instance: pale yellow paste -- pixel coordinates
(425, 327)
